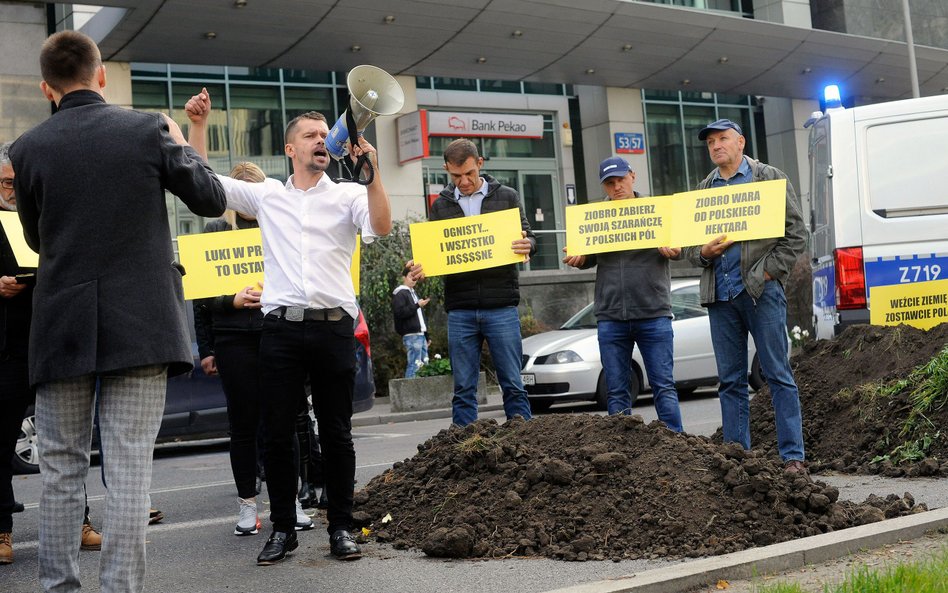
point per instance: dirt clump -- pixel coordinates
(589, 487)
(857, 400)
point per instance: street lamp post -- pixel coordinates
(910, 40)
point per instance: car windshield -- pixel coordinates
(585, 319)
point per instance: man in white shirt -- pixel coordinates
(309, 226)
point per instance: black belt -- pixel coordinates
(303, 314)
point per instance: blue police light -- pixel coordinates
(831, 97)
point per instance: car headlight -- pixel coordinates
(561, 357)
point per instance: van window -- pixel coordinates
(821, 189)
(904, 179)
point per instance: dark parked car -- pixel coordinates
(195, 407)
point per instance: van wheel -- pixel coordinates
(26, 454)
(756, 378)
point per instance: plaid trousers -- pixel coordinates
(131, 402)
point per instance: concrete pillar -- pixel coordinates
(606, 111)
(118, 84)
(22, 105)
(783, 118)
(787, 143)
(404, 183)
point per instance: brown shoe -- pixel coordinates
(796, 467)
(6, 548)
(91, 539)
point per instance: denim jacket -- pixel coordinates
(776, 255)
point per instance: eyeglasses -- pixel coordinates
(6, 183)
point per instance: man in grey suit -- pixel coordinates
(108, 307)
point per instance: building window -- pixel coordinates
(493, 86)
(744, 7)
(677, 159)
(256, 121)
(250, 108)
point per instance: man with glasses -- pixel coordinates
(15, 394)
(7, 195)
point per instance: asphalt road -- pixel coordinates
(194, 550)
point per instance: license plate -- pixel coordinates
(528, 379)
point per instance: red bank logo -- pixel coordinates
(456, 123)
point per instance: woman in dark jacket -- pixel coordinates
(228, 330)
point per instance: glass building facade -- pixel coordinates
(677, 159)
(250, 110)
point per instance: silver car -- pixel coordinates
(564, 365)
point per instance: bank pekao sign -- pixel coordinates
(485, 125)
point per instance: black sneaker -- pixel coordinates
(278, 546)
(343, 546)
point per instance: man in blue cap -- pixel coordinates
(742, 286)
(633, 306)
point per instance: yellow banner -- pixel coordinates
(742, 212)
(634, 223)
(226, 262)
(25, 257)
(465, 244)
(220, 263)
(919, 304)
(355, 268)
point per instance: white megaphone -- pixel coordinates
(373, 92)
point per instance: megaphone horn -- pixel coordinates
(372, 92)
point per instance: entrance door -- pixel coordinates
(538, 193)
(539, 201)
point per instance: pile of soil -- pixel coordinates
(845, 427)
(589, 487)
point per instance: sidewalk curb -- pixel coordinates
(780, 557)
(376, 419)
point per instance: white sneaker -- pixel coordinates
(248, 523)
(303, 522)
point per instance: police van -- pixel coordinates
(879, 199)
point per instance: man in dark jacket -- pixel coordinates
(481, 304)
(410, 323)
(108, 306)
(15, 392)
(742, 286)
(633, 306)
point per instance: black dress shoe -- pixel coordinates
(323, 502)
(18, 507)
(343, 546)
(278, 546)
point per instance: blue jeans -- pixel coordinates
(766, 320)
(416, 346)
(656, 343)
(467, 330)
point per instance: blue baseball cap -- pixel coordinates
(719, 126)
(613, 167)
